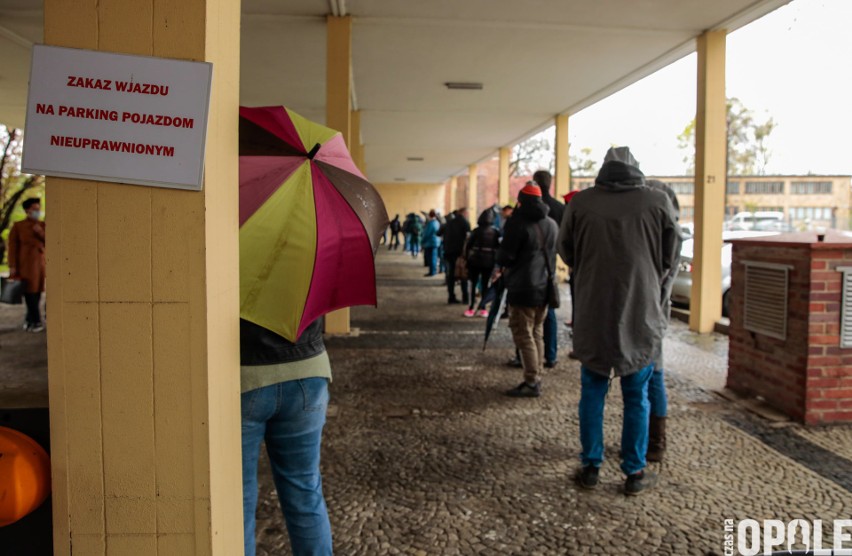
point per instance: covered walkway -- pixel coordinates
(424, 455)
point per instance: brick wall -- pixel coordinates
(807, 375)
(829, 379)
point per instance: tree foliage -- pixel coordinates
(748, 152)
(536, 153)
(14, 186)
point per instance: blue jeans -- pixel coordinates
(550, 335)
(657, 394)
(415, 246)
(634, 427)
(431, 256)
(407, 246)
(289, 416)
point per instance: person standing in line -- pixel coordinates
(431, 241)
(394, 233)
(480, 252)
(657, 442)
(620, 238)
(455, 235)
(544, 179)
(27, 262)
(284, 400)
(414, 231)
(527, 251)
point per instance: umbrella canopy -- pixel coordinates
(310, 222)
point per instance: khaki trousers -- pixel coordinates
(527, 326)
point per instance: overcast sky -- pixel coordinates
(794, 64)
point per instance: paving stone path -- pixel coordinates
(424, 455)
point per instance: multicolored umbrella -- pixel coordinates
(310, 223)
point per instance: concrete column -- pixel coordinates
(338, 115)
(357, 147)
(562, 179)
(452, 189)
(143, 340)
(503, 176)
(472, 190)
(710, 178)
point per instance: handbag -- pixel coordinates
(553, 300)
(461, 269)
(13, 292)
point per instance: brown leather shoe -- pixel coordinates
(656, 439)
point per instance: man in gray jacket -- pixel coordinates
(620, 238)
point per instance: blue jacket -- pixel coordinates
(430, 234)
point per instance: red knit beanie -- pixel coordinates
(531, 189)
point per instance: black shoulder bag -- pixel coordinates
(552, 287)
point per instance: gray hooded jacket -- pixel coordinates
(620, 238)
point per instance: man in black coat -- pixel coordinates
(455, 234)
(528, 237)
(551, 336)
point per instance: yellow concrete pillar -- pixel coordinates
(143, 342)
(338, 115)
(357, 148)
(710, 172)
(454, 187)
(472, 191)
(503, 176)
(562, 179)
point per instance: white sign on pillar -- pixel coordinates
(115, 117)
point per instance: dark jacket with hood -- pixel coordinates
(620, 238)
(483, 242)
(259, 346)
(455, 234)
(521, 252)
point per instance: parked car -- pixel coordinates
(768, 220)
(682, 288)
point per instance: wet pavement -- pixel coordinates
(424, 455)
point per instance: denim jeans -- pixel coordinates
(289, 416)
(634, 427)
(430, 254)
(657, 394)
(407, 246)
(550, 336)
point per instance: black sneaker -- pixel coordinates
(453, 301)
(524, 390)
(572, 355)
(514, 362)
(587, 477)
(550, 364)
(638, 483)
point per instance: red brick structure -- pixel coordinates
(808, 376)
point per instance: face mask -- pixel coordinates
(35, 215)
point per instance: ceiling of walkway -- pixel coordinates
(535, 59)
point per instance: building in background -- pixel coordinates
(807, 201)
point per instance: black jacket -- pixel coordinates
(483, 243)
(521, 254)
(259, 346)
(557, 209)
(455, 234)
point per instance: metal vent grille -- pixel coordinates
(846, 308)
(765, 309)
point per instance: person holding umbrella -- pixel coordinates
(527, 254)
(305, 212)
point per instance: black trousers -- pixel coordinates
(33, 313)
(451, 279)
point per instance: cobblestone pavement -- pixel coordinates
(424, 455)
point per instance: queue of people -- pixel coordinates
(620, 241)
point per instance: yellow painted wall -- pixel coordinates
(143, 343)
(402, 198)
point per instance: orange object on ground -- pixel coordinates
(24, 475)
